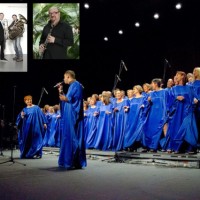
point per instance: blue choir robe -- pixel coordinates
(31, 132)
(85, 123)
(49, 138)
(196, 89)
(92, 118)
(58, 128)
(182, 125)
(48, 130)
(119, 120)
(156, 117)
(103, 140)
(135, 122)
(72, 150)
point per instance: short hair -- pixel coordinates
(27, 97)
(14, 15)
(1, 14)
(158, 81)
(54, 7)
(71, 73)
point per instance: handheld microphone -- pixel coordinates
(58, 84)
(124, 65)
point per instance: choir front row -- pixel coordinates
(159, 119)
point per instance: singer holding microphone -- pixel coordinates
(72, 150)
(56, 36)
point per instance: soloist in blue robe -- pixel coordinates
(91, 126)
(103, 140)
(72, 150)
(31, 132)
(119, 118)
(182, 125)
(156, 118)
(134, 123)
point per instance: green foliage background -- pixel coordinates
(69, 12)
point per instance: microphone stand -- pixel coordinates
(41, 95)
(117, 77)
(12, 131)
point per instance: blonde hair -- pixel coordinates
(139, 88)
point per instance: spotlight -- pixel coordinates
(120, 32)
(137, 24)
(86, 6)
(105, 38)
(178, 6)
(156, 16)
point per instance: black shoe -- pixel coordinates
(4, 59)
(15, 58)
(19, 59)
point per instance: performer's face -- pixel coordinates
(28, 102)
(153, 85)
(1, 16)
(66, 78)
(54, 15)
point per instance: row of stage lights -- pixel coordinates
(156, 16)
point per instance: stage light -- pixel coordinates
(137, 24)
(156, 16)
(105, 38)
(178, 6)
(86, 5)
(120, 32)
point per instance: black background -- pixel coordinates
(175, 36)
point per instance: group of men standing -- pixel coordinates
(15, 32)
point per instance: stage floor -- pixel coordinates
(13, 66)
(42, 179)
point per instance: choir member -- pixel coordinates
(31, 124)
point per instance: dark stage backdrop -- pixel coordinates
(174, 36)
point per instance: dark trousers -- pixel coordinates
(2, 44)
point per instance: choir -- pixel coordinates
(149, 118)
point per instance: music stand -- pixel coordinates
(13, 128)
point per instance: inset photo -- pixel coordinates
(56, 30)
(13, 37)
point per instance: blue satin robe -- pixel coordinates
(156, 117)
(72, 150)
(182, 125)
(119, 118)
(135, 122)
(196, 89)
(92, 120)
(103, 140)
(31, 132)
(49, 139)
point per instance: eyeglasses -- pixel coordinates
(53, 13)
